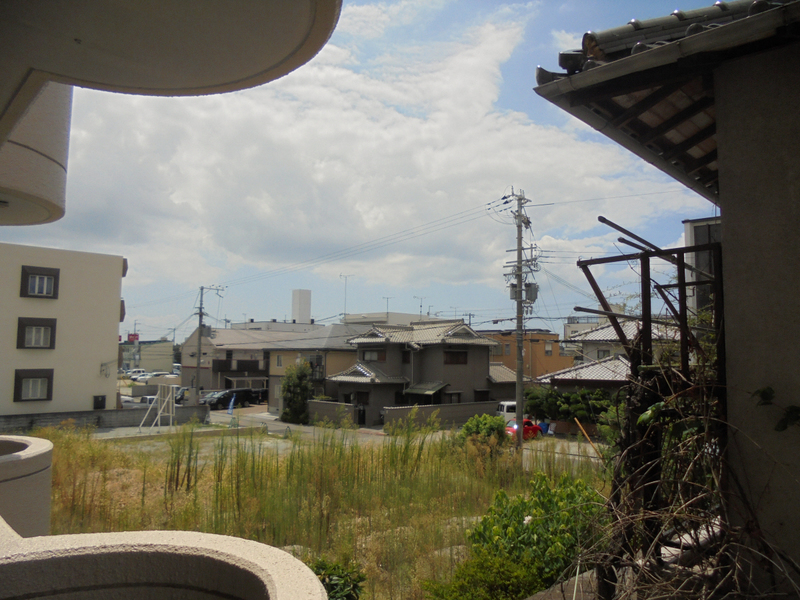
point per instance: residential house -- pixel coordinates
(542, 351)
(59, 329)
(503, 382)
(711, 97)
(603, 342)
(440, 362)
(610, 373)
(256, 358)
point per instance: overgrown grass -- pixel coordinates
(400, 508)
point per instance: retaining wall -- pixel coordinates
(129, 417)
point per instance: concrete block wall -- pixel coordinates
(98, 418)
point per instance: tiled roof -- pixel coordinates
(630, 328)
(646, 86)
(613, 368)
(499, 373)
(361, 373)
(424, 334)
(332, 337)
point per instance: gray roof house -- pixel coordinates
(609, 373)
(441, 362)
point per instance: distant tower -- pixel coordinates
(301, 306)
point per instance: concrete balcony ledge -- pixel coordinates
(25, 483)
(143, 565)
(150, 564)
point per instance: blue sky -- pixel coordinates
(376, 161)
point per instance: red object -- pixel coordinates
(133, 337)
(529, 429)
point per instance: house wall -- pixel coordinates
(464, 378)
(379, 397)
(87, 313)
(448, 414)
(535, 345)
(157, 356)
(758, 138)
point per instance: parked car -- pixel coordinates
(529, 429)
(180, 395)
(133, 373)
(506, 409)
(141, 377)
(222, 399)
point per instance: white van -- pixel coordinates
(135, 373)
(507, 409)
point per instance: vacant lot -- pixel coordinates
(400, 509)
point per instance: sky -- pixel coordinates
(370, 176)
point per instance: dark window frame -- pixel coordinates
(24, 322)
(456, 357)
(21, 375)
(30, 270)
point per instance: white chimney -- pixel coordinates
(301, 306)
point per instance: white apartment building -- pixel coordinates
(59, 329)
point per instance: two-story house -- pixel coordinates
(59, 329)
(438, 362)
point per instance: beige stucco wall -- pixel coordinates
(87, 313)
(535, 359)
(337, 361)
(33, 162)
(758, 136)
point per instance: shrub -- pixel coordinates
(585, 405)
(524, 544)
(341, 582)
(484, 427)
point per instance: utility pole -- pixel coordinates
(420, 298)
(469, 316)
(520, 220)
(524, 295)
(387, 298)
(345, 292)
(196, 387)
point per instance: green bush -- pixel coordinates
(524, 544)
(484, 427)
(341, 582)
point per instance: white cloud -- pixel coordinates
(566, 40)
(346, 151)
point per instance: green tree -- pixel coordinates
(296, 390)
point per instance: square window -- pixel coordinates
(39, 282)
(33, 384)
(375, 355)
(36, 333)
